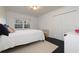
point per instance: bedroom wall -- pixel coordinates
(60, 24)
(2, 15)
(11, 16)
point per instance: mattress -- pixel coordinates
(20, 37)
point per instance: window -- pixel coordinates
(21, 24)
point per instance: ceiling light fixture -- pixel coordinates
(35, 7)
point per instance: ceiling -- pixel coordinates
(27, 10)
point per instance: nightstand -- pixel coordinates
(46, 33)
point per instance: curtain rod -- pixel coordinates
(65, 12)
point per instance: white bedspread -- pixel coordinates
(20, 37)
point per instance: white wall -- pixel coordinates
(12, 16)
(2, 15)
(58, 25)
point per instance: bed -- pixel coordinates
(20, 37)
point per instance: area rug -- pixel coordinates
(37, 47)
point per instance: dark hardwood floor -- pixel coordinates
(57, 42)
(51, 40)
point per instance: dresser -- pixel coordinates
(71, 42)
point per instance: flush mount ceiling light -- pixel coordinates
(35, 7)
